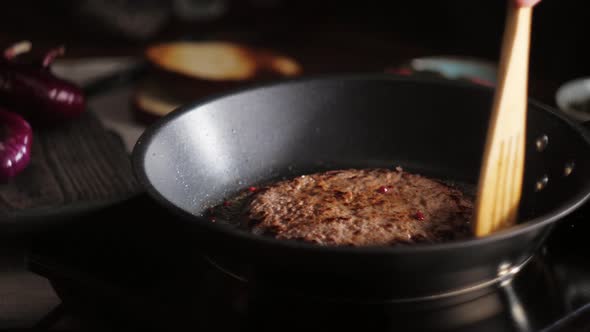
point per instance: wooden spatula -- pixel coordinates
(500, 181)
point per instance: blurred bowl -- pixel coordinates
(573, 98)
(456, 67)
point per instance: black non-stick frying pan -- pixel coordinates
(201, 154)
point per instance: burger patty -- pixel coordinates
(361, 207)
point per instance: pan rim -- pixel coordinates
(140, 151)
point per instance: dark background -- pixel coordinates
(372, 28)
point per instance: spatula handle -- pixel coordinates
(502, 169)
(526, 3)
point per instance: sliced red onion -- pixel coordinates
(17, 49)
(16, 139)
(51, 55)
(32, 90)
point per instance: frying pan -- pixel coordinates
(205, 152)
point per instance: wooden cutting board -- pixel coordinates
(75, 168)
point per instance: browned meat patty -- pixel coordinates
(360, 207)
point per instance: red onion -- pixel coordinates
(16, 139)
(16, 49)
(32, 88)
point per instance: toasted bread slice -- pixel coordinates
(220, 61)
(152, 101)
(187, 71)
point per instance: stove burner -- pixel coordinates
(505, 277)
(510, 306)
(156, 278)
